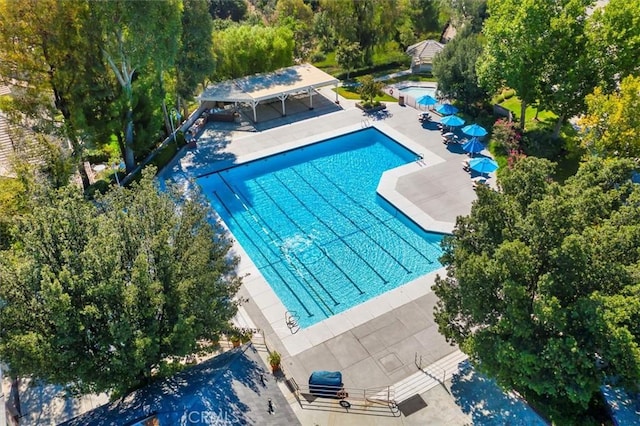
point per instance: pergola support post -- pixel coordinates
(311, 91)
(254, 104)
(283, 97)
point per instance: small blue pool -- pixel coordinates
(418, 91)
(311, 221)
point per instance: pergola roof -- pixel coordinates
(258, 87)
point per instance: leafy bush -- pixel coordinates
(97, 156)
(506, 135)
(499, 99)
(98, 187)
(164, 155)
(508, 94)
(318, 56)
(539, 143)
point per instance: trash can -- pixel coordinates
(401, 100)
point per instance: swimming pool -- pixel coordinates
(417, 91)
(311, 221)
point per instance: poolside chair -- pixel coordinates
(479, 181)
(465, 166)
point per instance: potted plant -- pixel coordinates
(235, 340)
(274, 361)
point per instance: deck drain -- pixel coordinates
(390, 362)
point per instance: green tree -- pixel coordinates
(614, 41)
(455, 69)
(536, 278)
(425, 16)
(43, 51)
(323, 31)
(243, 50)
(348, 56)
(139, 43)
(469, 14)
(195, 61)
(569, 73)
(236, 10)
(114, 290)
(369, 89)
(355, 21)
(611, 126)
(12, 206)
(514, 53)
(298, 17)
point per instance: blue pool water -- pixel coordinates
(418, 91)
(311, 221)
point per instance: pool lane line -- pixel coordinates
(237, 194)
(335, 233)
(383, 222)
(262, 253)
(355, 225)
(335, 302)
(317, 245)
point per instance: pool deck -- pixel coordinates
(376, 343)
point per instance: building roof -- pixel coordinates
(424, 51)
(226, 389)
(259, 87)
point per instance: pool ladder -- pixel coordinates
(291, 319)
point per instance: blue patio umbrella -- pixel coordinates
(474, 130)
(483, 165)
(446, 109)
(473, 145)
(452, 121)
(426, 100)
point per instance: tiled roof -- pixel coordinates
(425, 50)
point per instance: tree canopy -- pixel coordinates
(104, 295)
(611, 126)
(539, 49)
(247, 49)
(614, 41)
(455, 69)
(536, 278)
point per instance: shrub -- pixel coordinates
(540, 143)
(98, 187)
(97, 156)
(508, 94)
(506, 135)
(318, 56)
(164, 155)
(499, 99)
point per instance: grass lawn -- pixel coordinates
(352, 93)
(513, 104)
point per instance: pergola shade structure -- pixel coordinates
(278, 84)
